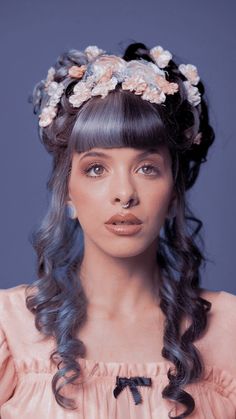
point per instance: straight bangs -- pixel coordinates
(120, 119)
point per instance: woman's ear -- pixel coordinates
(71, 210)
(68, 196)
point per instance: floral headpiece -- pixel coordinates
(101, 73)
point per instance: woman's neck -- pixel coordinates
(120, 286)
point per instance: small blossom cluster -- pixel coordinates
(191, 74)
(103, 72)
(55, 90)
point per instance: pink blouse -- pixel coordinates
(26, 372)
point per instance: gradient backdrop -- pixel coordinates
(32, 35)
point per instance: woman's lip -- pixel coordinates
(129, 217)
(124, 229)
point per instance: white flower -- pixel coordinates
(107, 65)
(55, 91)
(156, 69)
(190, 72)
(104, 87)
(198, 138)
(193, 93)
(50, 76)
(81, 94)
(47, 115)
(55, 88)
(92, 51)
(146, 72)
(160, 56)
(90, 81)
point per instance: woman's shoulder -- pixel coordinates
(13, 294)
(221, 300)
(223, 310)
(13, 290)
(218, 343)
(13, 304)
(19, 331)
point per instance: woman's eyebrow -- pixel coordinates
(101, 154)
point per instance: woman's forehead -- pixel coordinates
(116, 153)
(113, 151)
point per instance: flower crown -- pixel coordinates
(101, 73)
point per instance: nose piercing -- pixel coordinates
(125, 205)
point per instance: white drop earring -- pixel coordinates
(71, 211)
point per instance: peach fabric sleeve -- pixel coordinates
(26, 372)
(8, 376)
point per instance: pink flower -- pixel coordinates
(166, 86)
(106, 76)
(153, 95)
(76, 71)
(81, 94)
(136, 83)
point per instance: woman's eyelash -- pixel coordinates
(87, 170)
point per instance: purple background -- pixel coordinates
(34, 33)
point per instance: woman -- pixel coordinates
(116, 324)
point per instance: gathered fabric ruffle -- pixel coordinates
(214, 395)
(104, 390)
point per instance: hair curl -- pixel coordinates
(122, 119)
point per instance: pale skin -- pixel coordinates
(117, 271)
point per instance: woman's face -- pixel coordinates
(99, 184)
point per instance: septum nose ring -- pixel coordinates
(125, 205)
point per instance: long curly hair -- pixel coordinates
(122, 119)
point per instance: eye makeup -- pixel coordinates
(155, 169)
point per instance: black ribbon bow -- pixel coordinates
(132, 382)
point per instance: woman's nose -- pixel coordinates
(123, 188)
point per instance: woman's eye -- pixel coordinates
(150, 166)
(98, 174)
(92, 167)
